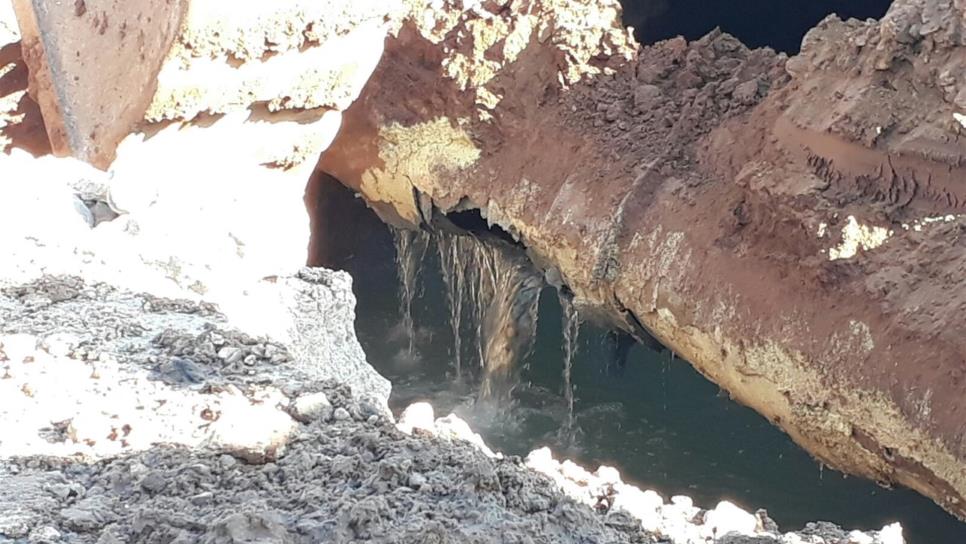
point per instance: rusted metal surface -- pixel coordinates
(94, 66)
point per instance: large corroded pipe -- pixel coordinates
(790, 226)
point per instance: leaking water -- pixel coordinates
(571, 332)
(595, 396)
(510, 291)
(452, 264)
(494, 284)
(410, 251)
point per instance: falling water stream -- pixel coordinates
(509, 291)
(450, 261)
(478, 333)
(571, 332)
(497, 286)
(410, 251)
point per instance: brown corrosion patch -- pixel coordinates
(94, 67)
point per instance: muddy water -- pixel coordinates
(579, 390)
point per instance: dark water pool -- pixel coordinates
(779, 24)
(662, 424)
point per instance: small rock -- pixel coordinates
(454, 428)
(227, 461)
(735, 538)
(179, 371)
(417, 480)
(315, 406)
(824, 530)
(726, 43)
(102, 212)
(230, 355)
(765, 522)
(202, 499)
(61, 491)
(108, 537)
(44, 535)
(418, 415)
(87, 515)
(83, 211)
(797, 66)
(153, 482)
(341, 414)
(613, 112)
(728, 86)
(647, 97)
(279, 358)
(14, 527)
(728, 518)
(368, 408)
(747, 92)
(249, 527)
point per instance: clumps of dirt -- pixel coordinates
(182, 306)
(47, 290)
(886, 83)
(350, 476)
(483, 38)
(92, 371)
(675, 93)
(351, 480)
(225, 352)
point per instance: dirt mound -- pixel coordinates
(675, 93)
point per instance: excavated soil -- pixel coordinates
(343, 481)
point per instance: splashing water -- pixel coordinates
(411, 248)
